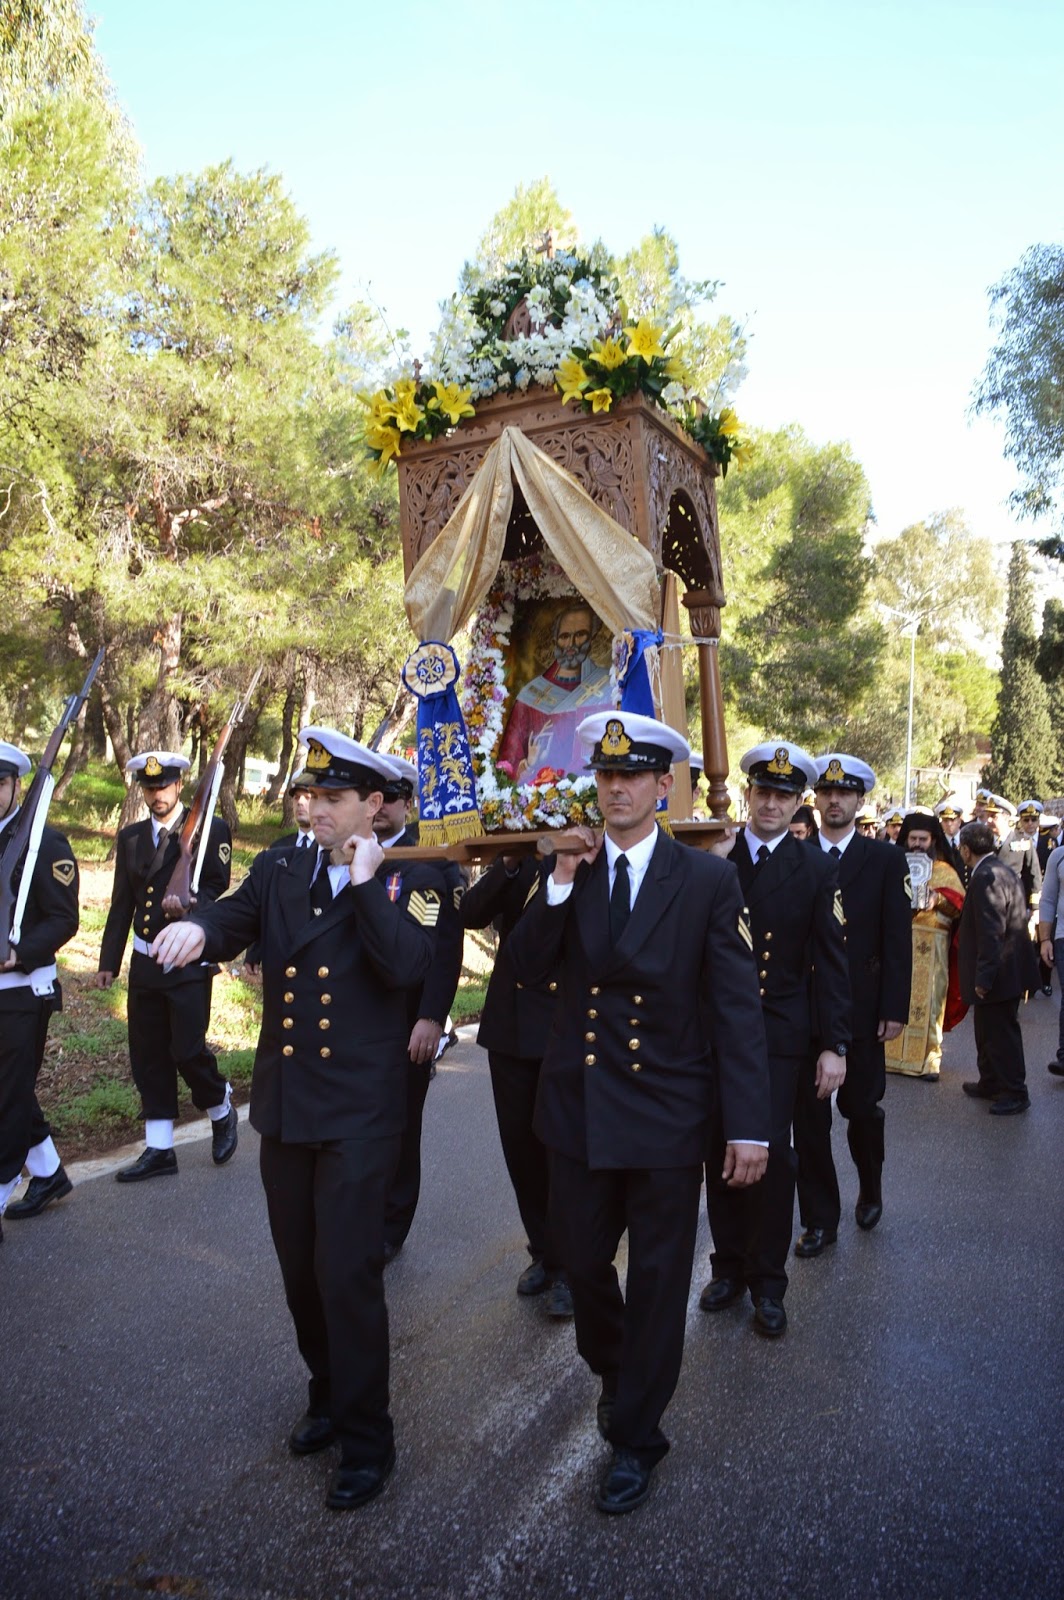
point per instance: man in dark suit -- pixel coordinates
(796, 917)
(428, 1006)
(169, 1012)
(995, 966)
(344, 940)
(303, 839)
(877, 902)
(514, 1027)
(29, 993)
(657, 1005)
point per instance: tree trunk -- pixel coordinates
(235, 755)
(159, 726)
(284, 760)
(76, 755)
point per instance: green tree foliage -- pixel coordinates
(1022, 741)
(1024, 380)
(1050, 664)
(800, 646)
(518, 228)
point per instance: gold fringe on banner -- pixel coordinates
(450, 830)
(664, 824)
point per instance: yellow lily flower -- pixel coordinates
(452, 401)
(676, 371)
(645, 340)
(742, 454)
(408, 414)
(601, 399)
(405, 390)
(386, 440)
(608, 354)
(572, 379)
(728, 423)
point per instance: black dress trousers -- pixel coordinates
(326, 1208)
(23, 1032)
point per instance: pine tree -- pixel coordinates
(1022, 741)
(1051, 669)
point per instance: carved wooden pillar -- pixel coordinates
(704, 607)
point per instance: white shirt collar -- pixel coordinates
(386, 844)
(10, 818)
(828, 845)
(638, 854)
(754, 840)
(171, 827)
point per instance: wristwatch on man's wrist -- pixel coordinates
(840, 1049)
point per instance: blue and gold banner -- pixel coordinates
(638, 670)
(448, 794)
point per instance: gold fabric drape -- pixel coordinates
(917, 1051)
(608, 567)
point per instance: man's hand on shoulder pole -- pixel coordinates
(571, 847)
(362, 857)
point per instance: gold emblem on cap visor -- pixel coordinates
(834, 773)
(152, 767)
(615, 742)
(781, 764)
(317, 756)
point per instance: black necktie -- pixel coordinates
(304, 841)
(835, 851)
(321, 895)
(620, 899)
(763, 854)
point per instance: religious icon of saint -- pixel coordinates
(541, 730)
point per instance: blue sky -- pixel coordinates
(857, 174)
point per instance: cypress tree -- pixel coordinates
(1023, 747)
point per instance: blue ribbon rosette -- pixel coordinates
(447, 788)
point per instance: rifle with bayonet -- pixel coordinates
(28, 827)
(185, 878)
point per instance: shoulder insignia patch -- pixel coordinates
(908, 886)
(837, 911)
(224, 852)
(532, 892)
(456, 895)
(744, 933)
(63, 872)
(424, 907)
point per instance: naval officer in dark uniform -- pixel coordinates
(657, 1006)
(29, 993)
(169, 1012)
(514, 1027)
(344, 940)
(877, 902)
(796, 917)
(429, 1006)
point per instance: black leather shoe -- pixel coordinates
(604, 1413)
(40, 1193)
(151, 1164)
(867, 1212)
(978, 1090)
(533, 1280)
(812, 1241)
(770, 1319)
(559, 1300)
(720, 1292)
(391, 1250)
(625, 1485)
(353, 1486)
(311, 1434)
(1056, 1068)
(1047, 989)
(223, 1137)
(1006, 1105)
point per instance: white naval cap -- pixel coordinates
(154, 768)
(1030, 808)
(1048, 820)
(624, 741)
(336, 761)
(894, 817)
(949, 808)
(778, 764)
(14, 763)
(404, 777)
(839, 771)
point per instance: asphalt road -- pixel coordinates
(902, 1440)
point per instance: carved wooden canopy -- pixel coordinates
(634, 461)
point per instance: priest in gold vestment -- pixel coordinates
(933, 1009)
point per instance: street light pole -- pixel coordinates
(909, 732)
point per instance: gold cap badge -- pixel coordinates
(781, 764)
(615, 742)
(318, 757)
(152, 767)
(834, 773)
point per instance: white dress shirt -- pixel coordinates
(638, 861)
(828, 845)
(157, 827)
